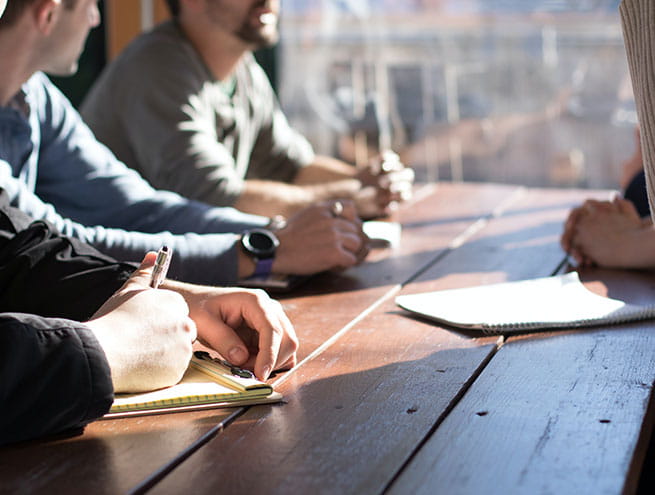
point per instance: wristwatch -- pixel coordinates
(261, 245)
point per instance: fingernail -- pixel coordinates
(237, 355)
(267, 372)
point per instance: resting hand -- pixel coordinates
(386, 181)
(609, 234)
(146, 333)
(245, 326)
(566, 240)
(316, 240)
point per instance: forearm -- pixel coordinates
(271, 198)
(637, 250)
(324, 169)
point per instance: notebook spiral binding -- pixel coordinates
(624, 315)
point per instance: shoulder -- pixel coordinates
(41, 94)
(159, 65)
(162, 51)
(39, 83)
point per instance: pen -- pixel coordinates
(161, 266)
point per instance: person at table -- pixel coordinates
(64, 353)
(54, 169)
(189, 108)
(617, 233)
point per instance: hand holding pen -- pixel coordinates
(136, 323)
(244, 326)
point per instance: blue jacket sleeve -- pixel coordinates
(55, 377)
(86, 182)
(75, 183)
(199, 258)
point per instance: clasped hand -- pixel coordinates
(386, 181)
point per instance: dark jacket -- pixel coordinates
(54, 376)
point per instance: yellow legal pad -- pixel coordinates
(207, 383)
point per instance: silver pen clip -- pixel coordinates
(160, 269)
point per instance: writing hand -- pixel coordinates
(146, 333)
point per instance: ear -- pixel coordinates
(45, 13)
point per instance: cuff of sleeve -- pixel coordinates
(101, 388)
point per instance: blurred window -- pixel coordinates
(534, 92)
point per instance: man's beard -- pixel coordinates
(260, 37)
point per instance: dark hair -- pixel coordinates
(13, 11)
(174, 7)
(15, 8)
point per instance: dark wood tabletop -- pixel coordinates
(383, 402)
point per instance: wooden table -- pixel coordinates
(382, 402)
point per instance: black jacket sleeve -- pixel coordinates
(45, 273)
(54, 377)
(53, 374)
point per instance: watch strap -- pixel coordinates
(263, 267)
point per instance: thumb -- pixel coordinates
(141, 276)
(626, 206)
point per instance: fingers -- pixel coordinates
(344, 209)
(322, 237)
(395, 186)
(250, 329)
(219, 335)
(142, 275)
(626, 207)
(566, 240)
(397, 178)
(392, 181)
(192, 330)
(587, 210)
(351, 242)
(277, 341)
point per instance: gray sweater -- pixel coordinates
(638, 19)
(158, 107)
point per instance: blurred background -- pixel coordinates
(532, 92)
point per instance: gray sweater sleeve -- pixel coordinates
(199, 258)
(638, 20)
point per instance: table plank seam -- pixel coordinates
(150, 481)
(447, 410)
(336, 336)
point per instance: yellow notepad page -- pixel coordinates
(204, 382)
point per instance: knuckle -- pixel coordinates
(294, 343)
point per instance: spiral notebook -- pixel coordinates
(207, 383)
(557, 302)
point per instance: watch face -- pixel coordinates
(260, 243)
